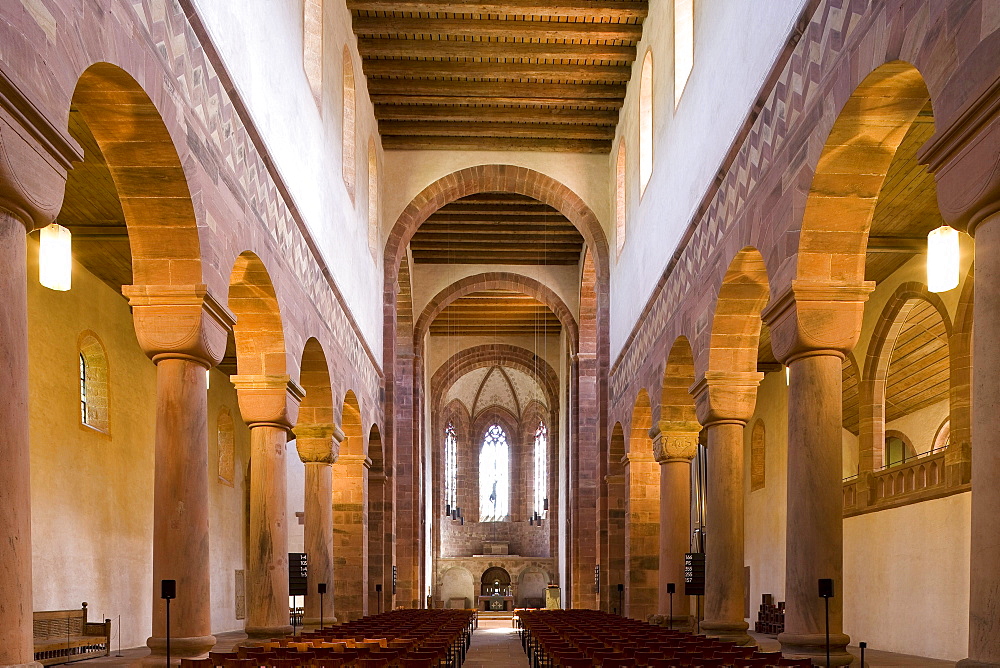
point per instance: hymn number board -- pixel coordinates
(298, 570)
(694, 574)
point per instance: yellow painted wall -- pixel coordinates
(92, 493)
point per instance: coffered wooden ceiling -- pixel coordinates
(496, 313)
(545, 75)
(497, 228)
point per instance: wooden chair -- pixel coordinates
(798, 663)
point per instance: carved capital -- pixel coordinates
(179, 321)
(268, 400)
(34, 159)
(672, 446)
(726, 396)
(811, 317)
(317, 443)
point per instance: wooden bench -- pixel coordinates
(62, 636)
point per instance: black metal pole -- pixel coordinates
(321, 611)
(119, 637)
(670, 621)
(168, 632)
(862, 645)
(826, 601)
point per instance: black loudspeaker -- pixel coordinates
(378, 588)
(671, 588)
(825, 588)
(621, 587)
(168, 589)
(322, 587)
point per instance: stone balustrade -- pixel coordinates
(912, 481)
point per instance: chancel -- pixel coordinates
(411, 333)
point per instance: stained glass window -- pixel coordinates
(494, 476)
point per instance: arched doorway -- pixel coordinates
(495, 582)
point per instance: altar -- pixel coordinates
(496, 603)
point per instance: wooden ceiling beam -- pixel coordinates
(365, 26)
(543, 102)
(476, 114)
(909, 245)
(506, 208)
(581, 9)
(466, 50)
(462, 89)
(459, 217)
(490, 129)
(462, 70)
(495, 144)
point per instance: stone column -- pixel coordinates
(319, 447)
(34, 158)
(15, 478)
(376, 541)
(269, 405)
(642, 542)
(984, 601)
(674, 451)
(812, 325)
(725, 402)
(183, 330)
(350, 511)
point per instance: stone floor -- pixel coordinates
(495, 645)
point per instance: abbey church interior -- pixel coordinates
(526, 333)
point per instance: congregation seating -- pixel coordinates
(397, 639)
(587, 638)
(63, 636)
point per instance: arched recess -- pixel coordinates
(316, 418)
(350, 516)
(677, 408)
(736, 326)
(496, 280)
(613, 523)
(258, 332)
(910, 345)
(642, 512)
(494, 354)
(379, 527)
(147, 173)
(851, 170)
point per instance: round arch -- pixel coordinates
(677, 407)
(494, 354)
(736, 325)
(258, 332)
(147, 173)
(497, 280)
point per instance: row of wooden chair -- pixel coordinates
(587, 638)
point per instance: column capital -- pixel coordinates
(318, 443)
(268, 400)
(726, 396)
(814, 317)
(674, 446)
(179, 321)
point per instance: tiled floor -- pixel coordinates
(495, 645)
(873, 657)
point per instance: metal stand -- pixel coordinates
(671, 588)
(295, 606)
(119, 654)
(168, 632)
(321, 610)
(863, 646)
(826, 605)
(697, 615)
(378, 590)
(621, 600)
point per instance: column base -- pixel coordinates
(813, 646)
(312, 623)
(34, 664)
(734, 632)
(180, 648)
(268, 632)
(972, 663)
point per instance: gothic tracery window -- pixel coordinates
(450, 467)
(494, 476)
(541, 468)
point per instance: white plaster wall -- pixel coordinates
(260, 42)
(765, 510)
(427, 280)
(409, 172)
(906, 578)
(736, 44)
(852, 453)
(921, 426)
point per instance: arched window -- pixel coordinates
(349, 123)
(312, 46)
(450, 468)
(226, 434)
(758, 448)
(683, 46)
(620, 195)
(93, 378)
(898, 448)
(942, 439)
(646, 122)
(373, 208)
(494, 476)
(541, 469)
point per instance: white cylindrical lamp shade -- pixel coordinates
(55, 257)
(942, 259)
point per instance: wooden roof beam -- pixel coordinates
(446, 129)
(469, 89)
(583, 9)
(457, 69)
(413, 27)
(395, 143)
(475, 114)
(467, 50)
